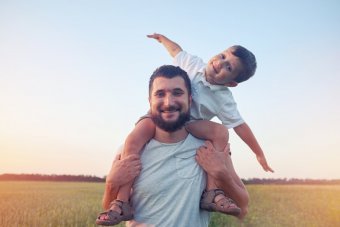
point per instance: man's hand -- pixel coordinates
(212, 161)
(124, 171)
(263, 162)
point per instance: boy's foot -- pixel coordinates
(113, 216)
(215, 200)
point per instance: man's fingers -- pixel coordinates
(227, 148)
(132, 157)
(208, 144)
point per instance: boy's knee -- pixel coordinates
(130, 146)
(221, 132)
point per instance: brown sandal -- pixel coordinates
(112, 217)
(224, 205)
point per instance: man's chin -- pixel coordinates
(170, 120)
(170, 123)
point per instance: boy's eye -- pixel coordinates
(222, 56)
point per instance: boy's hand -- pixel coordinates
(263, 162)
(156, 36)
(172, 47)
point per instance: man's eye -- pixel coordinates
(159, 94)
(222, 56)
(178, 93)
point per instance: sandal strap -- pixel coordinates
(125, 208)
(224, 205)
(209, 196)
(225, 201)
(117, 202)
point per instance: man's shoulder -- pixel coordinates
(194, 140)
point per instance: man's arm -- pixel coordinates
(245, 133)
(121, 172)
(172, 47)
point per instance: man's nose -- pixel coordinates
(168, 100)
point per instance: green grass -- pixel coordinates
(77, 204)
(289, 205)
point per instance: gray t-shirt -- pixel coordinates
(168, 190)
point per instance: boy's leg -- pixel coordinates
(141, 134)
(120, 208)
(219, 137)
(216, 133)
(235, 188)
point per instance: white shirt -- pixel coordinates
(208, 100)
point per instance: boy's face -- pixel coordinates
(223, 68)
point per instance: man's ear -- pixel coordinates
(231, 84)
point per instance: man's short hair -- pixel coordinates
(248, 62)
(170, 71)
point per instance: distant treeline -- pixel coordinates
(290, 181)
(53, 177)
(88, 178)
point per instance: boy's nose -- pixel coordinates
(218, 63)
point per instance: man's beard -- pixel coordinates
(171, 126)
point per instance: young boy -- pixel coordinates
(211, 97)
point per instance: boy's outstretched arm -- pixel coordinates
(245, 133)
(172, 47)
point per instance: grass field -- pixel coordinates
(54, 204)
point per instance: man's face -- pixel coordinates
(223, 68)
(169, 103)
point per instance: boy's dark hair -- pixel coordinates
(170, 71)
(248, 62)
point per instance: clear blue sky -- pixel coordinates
(74, 77)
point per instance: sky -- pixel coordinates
(74, 79)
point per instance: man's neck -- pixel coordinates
(170, 137)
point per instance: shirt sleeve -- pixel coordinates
(189, 63)
(229, 115)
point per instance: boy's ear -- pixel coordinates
(231, 84)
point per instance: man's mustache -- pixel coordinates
(169, 108)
